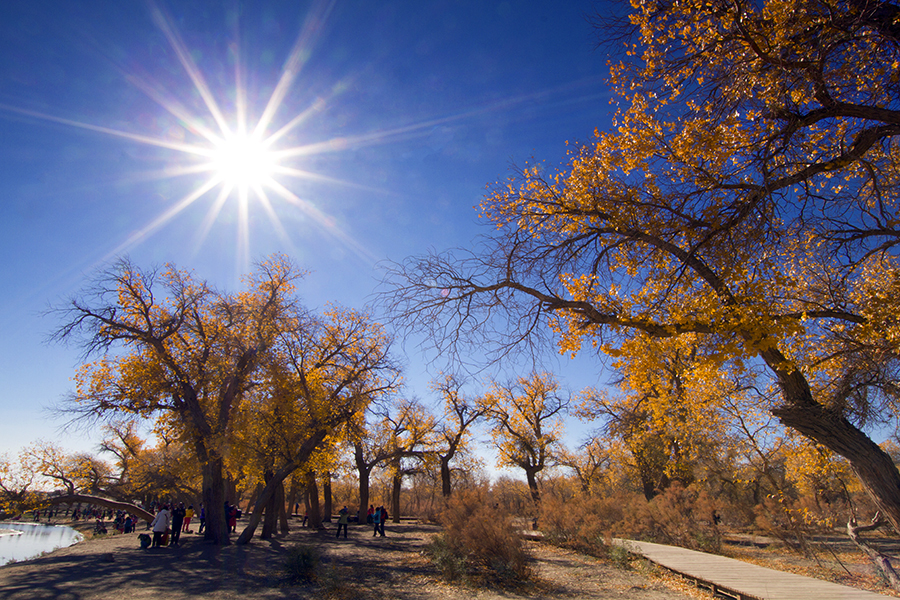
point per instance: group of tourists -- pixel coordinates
(377, 517)
(174, 520)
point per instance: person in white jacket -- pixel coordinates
(160, 525)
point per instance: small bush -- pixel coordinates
(479, 541)
(301, 564)
(451, 564)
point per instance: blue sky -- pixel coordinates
(407, 110)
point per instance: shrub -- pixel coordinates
(479, 541)
(679, 516)
(301, 564)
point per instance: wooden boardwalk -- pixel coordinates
(740, 580)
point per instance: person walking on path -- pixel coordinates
(159, 526)
(343, 519)
(177, 522)
(376, 520)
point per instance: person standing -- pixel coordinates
(188, 515)
(384, 518)
(343, 519)
(177, 522)
(202, 519)
(231, 517)
(159, 526)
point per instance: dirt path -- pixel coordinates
(359, 567)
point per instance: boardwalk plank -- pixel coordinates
(743, 580)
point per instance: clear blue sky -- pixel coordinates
(410, 107)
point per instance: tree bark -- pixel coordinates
(531, 478)
(327, 507)
(271, 511)
(292, 497)
(315, 515)
(214, 501)
(282, 514)
(365, 471)
(872, 465)
(445, 476)
(395, 498)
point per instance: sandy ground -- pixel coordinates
(359, 567)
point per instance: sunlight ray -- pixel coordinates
(419, 128)
(210, 218)
(309, 175)
(162, 21)
(312, 25)
(240, 93)
(144, 139)
(242, 256)
(170, 172)
(324, 221)
(173, 107)
(275, 220)
(162, 219)
(316, 107)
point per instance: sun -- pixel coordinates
(232, 150)
(243, 161)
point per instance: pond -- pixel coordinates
(21, 541)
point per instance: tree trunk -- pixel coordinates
(327, 507)
(282, 514)
(872, 465)
(271, 511)
(315, 516)
(395, 498)
(364, 470)
(251, 505)
(531, 478)
(214, 501)
(308, 447)
(292, 497)
(445, 476)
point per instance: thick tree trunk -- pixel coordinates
(396, 485)
(364, 470)
(271, 511)
(251, 504)
(292, 497)
(315, 515)
(327, 507)
(872, 465)
(531, 478)
(282, 514)
(445, 476)
(214, 501)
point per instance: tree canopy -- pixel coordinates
(746, 196)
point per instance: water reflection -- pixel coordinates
(27, 540)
